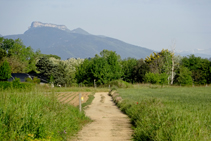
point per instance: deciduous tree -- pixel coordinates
(5, 71)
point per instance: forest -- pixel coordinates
(164, 67)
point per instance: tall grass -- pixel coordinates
(34, 114)
(171, 113)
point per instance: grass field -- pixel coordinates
(37, 114)
(172, 113)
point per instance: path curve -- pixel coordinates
(109, 123)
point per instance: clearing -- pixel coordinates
(109, 123)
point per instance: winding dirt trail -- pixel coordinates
(109, 123)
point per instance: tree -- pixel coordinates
(103, 69)
(162, 62)
(18, 55)
(152, 78)
(199, 68)
(5, 71)
(60, 74)
(83, 72)
(128, 69)
(3, 54)
(115, 67)
(140, 69)
(184, 76)
(45, 67)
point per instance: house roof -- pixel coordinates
(22, 76)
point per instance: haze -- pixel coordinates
(153, 24)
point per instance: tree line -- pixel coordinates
(162, 67)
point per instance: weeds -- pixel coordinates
(168, 114)
(34, 114)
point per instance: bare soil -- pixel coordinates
(73, 97)
(109, 123)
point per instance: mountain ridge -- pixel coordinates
(76, 43)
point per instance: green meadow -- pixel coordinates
(169, 113)
(36, 114)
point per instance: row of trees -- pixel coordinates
(15, 57)
(163, 67)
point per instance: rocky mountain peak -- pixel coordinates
(40, 24)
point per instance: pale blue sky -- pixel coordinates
(148, 23)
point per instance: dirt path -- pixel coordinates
(109, 124)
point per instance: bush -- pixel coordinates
(120, 84)
(184, 76)
(36, 80)
(5, 85)
(153, 78)
(16, 84)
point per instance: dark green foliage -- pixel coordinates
(128, 66)
(152, 78)
(120, 84)
(5, 71)
(21, 58)
(58, 74)
(3, 53)
(184, 76)
(16, 84)
(101, 69)
(199, 68)
(140, 69)
(114, 62)
(34, 80)
(155, 78)
(7, 44)
(51, 55)
(5, 85)
(45, 67)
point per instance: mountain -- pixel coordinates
(203, 53)
(77, 43)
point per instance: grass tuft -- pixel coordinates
(36, 114)
(177, 114)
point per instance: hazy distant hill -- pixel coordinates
(57, 39)
(204, 53)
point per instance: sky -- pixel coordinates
(153, 24)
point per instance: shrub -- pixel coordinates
(5, 85)
(36, 80)
(120, 84)
(184, 76)
(16, 84)
(152, 78)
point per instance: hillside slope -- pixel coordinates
(76, 43)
